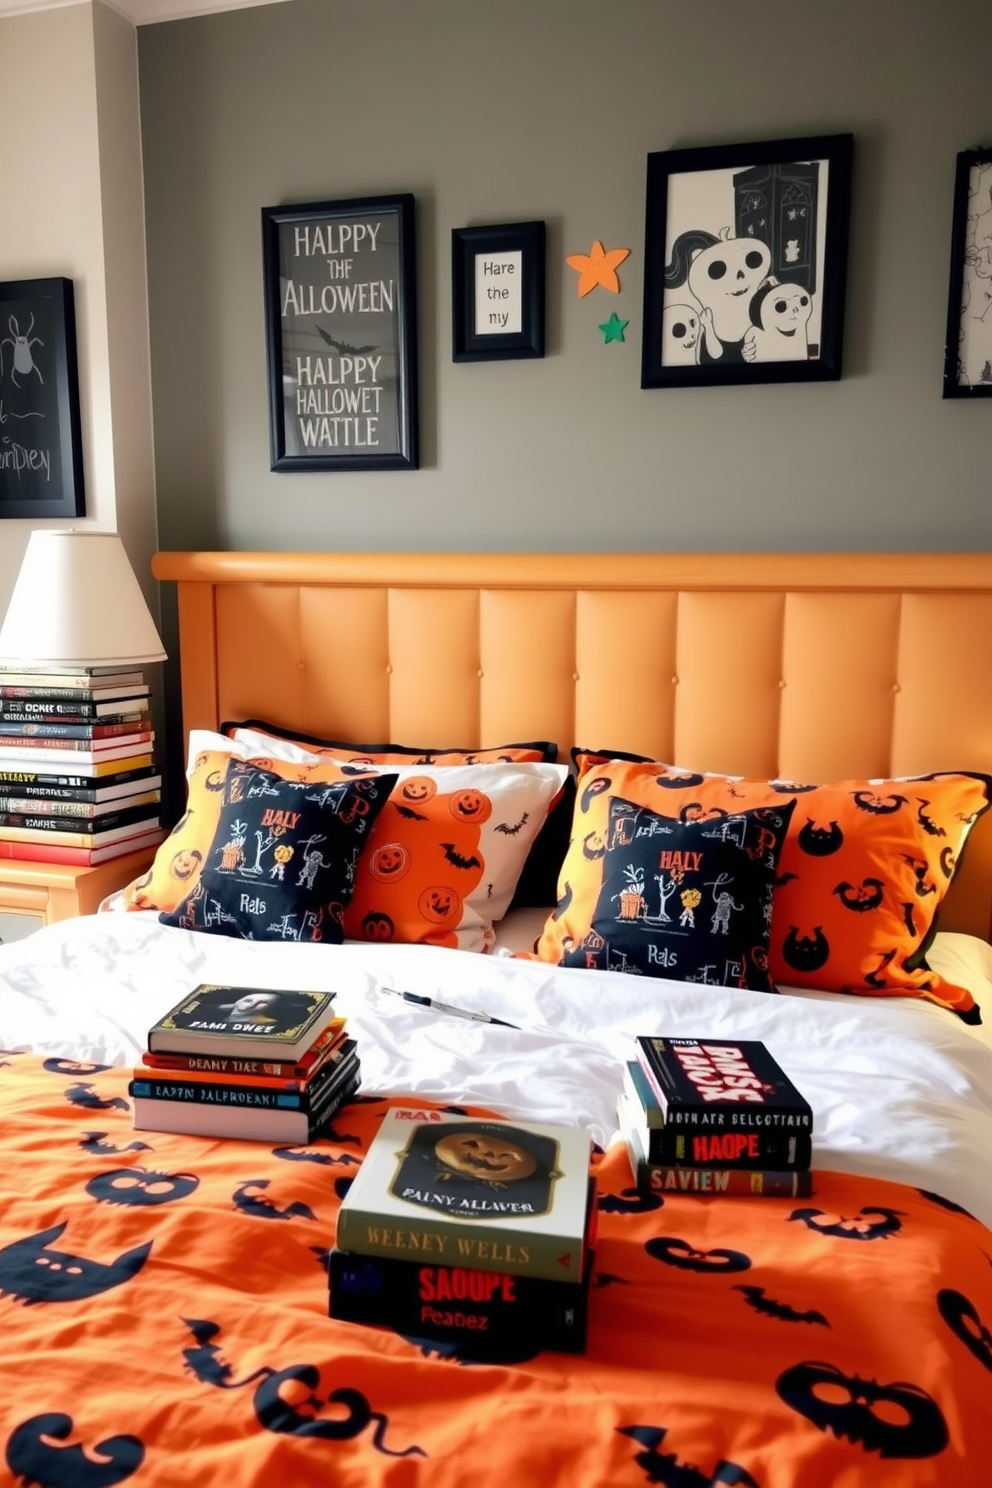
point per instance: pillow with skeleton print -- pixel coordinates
(689, 900)
(282, 862)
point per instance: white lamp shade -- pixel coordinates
(77, 602)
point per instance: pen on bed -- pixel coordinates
(445, 1007)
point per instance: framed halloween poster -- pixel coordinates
(41, 448)
(745, 262)
(341, 334)
(968, 345)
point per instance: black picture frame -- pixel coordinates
(968, 341)
(512, 254)
(710, 315)
(341, 334)
(41, 447)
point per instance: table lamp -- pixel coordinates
(77, 603)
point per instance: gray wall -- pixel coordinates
(510, 110)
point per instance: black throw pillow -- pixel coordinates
(689, 900)
(282, 862)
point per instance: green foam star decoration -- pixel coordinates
(613, 328)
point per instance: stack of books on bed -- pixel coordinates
(251, 1062)
(470, 1231)
(78, 778)
(714, 1116)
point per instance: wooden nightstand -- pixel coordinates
(46, 892)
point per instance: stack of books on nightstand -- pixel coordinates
(78, 778)
(468, 1230)
(714, 1116)
(251, 1062)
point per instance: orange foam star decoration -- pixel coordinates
(598, 268)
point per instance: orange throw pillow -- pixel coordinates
(862, 873)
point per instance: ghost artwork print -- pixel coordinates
(744, 262)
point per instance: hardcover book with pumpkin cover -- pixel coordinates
(487, 1194)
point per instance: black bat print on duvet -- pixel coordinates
(33, 1271)
(757, 1298)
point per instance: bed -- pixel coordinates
(164, 1297)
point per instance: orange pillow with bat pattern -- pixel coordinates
(865, 865)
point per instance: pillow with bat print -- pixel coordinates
(539, 875)
(444, 854)
(863, 871)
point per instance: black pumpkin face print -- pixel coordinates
(32, 1271)
(961, 1316)
(377, 925)
(820, 842)
(806, 952)
(33, 1458)
(140, 1188)
(679, 782)
(894, 1420)
(860, 1226)
(679, 1253)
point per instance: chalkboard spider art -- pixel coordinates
(24, 362)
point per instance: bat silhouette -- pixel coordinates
(264, 1208)
(83, 1094)
(755, 1297)
(927, 822)
(343, 346)
(95, 1141)
(607, 1278)
(205, 1361)
(410, 814)
(509, 831)
(457, 859)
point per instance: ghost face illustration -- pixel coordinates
(723, 279)
(679, 336)
(783, 315)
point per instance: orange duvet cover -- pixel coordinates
(163, 1322)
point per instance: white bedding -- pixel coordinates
(900, 1088)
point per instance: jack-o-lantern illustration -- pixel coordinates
(377, 926)
(593, 846)
(184, 864)
(485, 1156)
(390, 862)
(459, 1168)
(215, 780)
(141, 1188)
(677, 1252)
(470, 806)
(418, 788)
(894, 1420)
(860, 1226)
(439, 904)
(878, 805)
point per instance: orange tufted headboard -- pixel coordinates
(809, 667)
